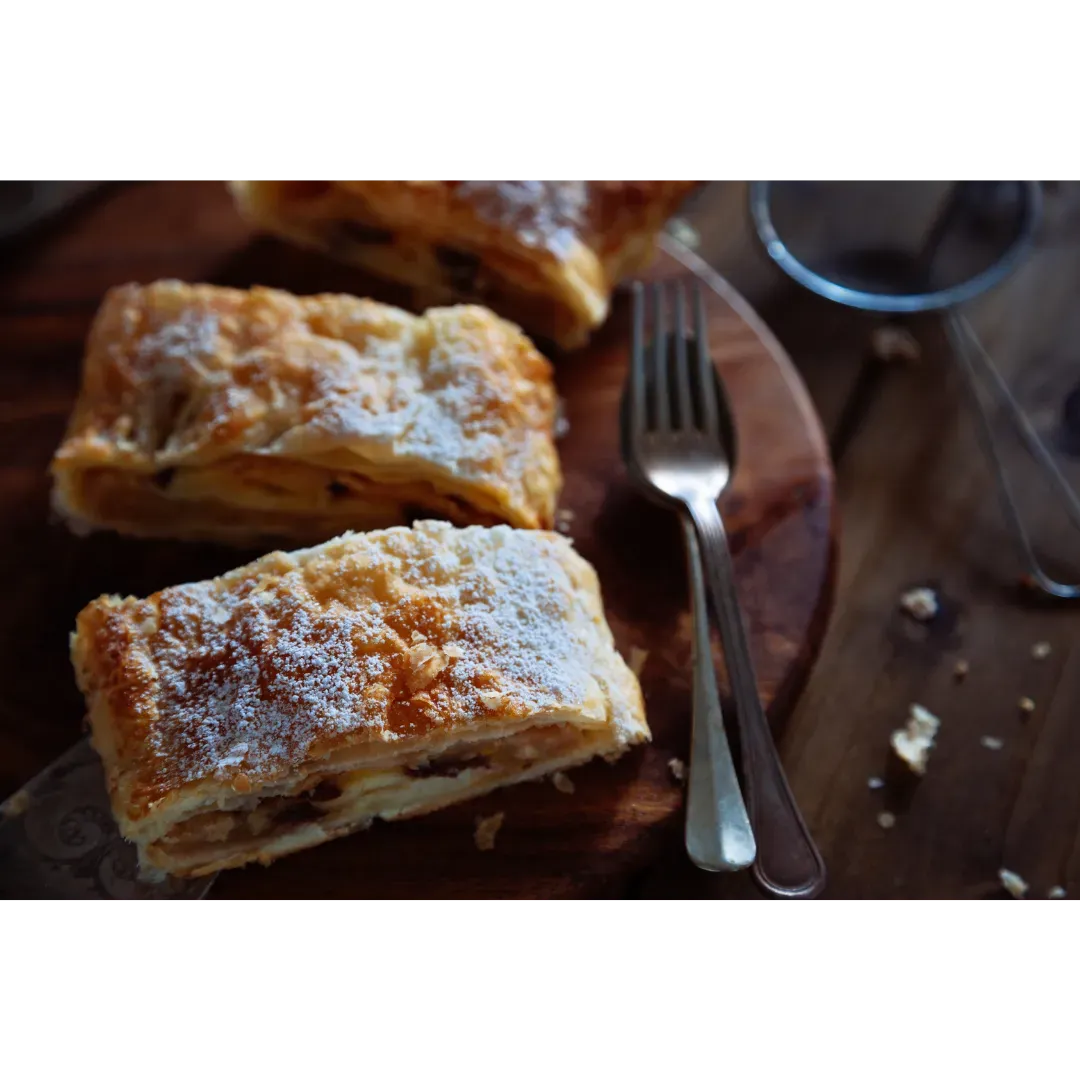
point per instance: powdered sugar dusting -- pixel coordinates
(258, 679)
(442, 406)
(275, 663)
(190, 334)
(540, 213)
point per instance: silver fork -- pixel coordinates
(718, 833)
(681, 445)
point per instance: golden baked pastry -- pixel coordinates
(220, 414)
(379, 675)
(544, 253)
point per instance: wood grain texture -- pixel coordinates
(621, 818)
(917, 505)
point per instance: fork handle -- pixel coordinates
(718, 833)
(788, 864)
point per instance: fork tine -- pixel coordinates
(706, 374)
(661, 397)
(637, 365)
(682, 367)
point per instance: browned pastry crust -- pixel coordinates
(544, 253)
(384, 674)
(213, 413)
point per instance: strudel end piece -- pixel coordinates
(379, 675)
(231, 415)
(544, 253)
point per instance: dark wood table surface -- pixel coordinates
(917, 506)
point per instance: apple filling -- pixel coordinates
(333, 803)
(274, 495)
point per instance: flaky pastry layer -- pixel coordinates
(214, 413)
(545, 254)
(379, 675)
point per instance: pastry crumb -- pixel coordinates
(561, 782)
(1013, 884)
(960, 670)
(16, 804)
(875, 783)
(152, 875)
(913, 742)
(921, 603)
(486, 829)
(1056, 893)
(892, 343)
(455, 652)
(677, 768)
(1040, 650)
(1026, 706)
(992, 742)
(886, 820)
(681, 230)
(636, 662)
(491, 699)
(425, 664)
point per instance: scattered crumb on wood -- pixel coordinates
(684, 232)
(16, 804)
(562, 782)
(960, 670)
(894, 343)
(564, 518)
(913, 742)
(562, 423)
(875, 783)
(921, 603)
(486, 828)
(1040, 650)
(677, 768)
(1026, 706)
(992, 742)
(636, 663)
(1056, 893)
(1013, 884)
(886, 820)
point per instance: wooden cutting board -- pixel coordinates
(620, 817)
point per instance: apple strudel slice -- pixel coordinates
(546, 254)
(231, 415)
(379, 675)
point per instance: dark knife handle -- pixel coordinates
(58, 840)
